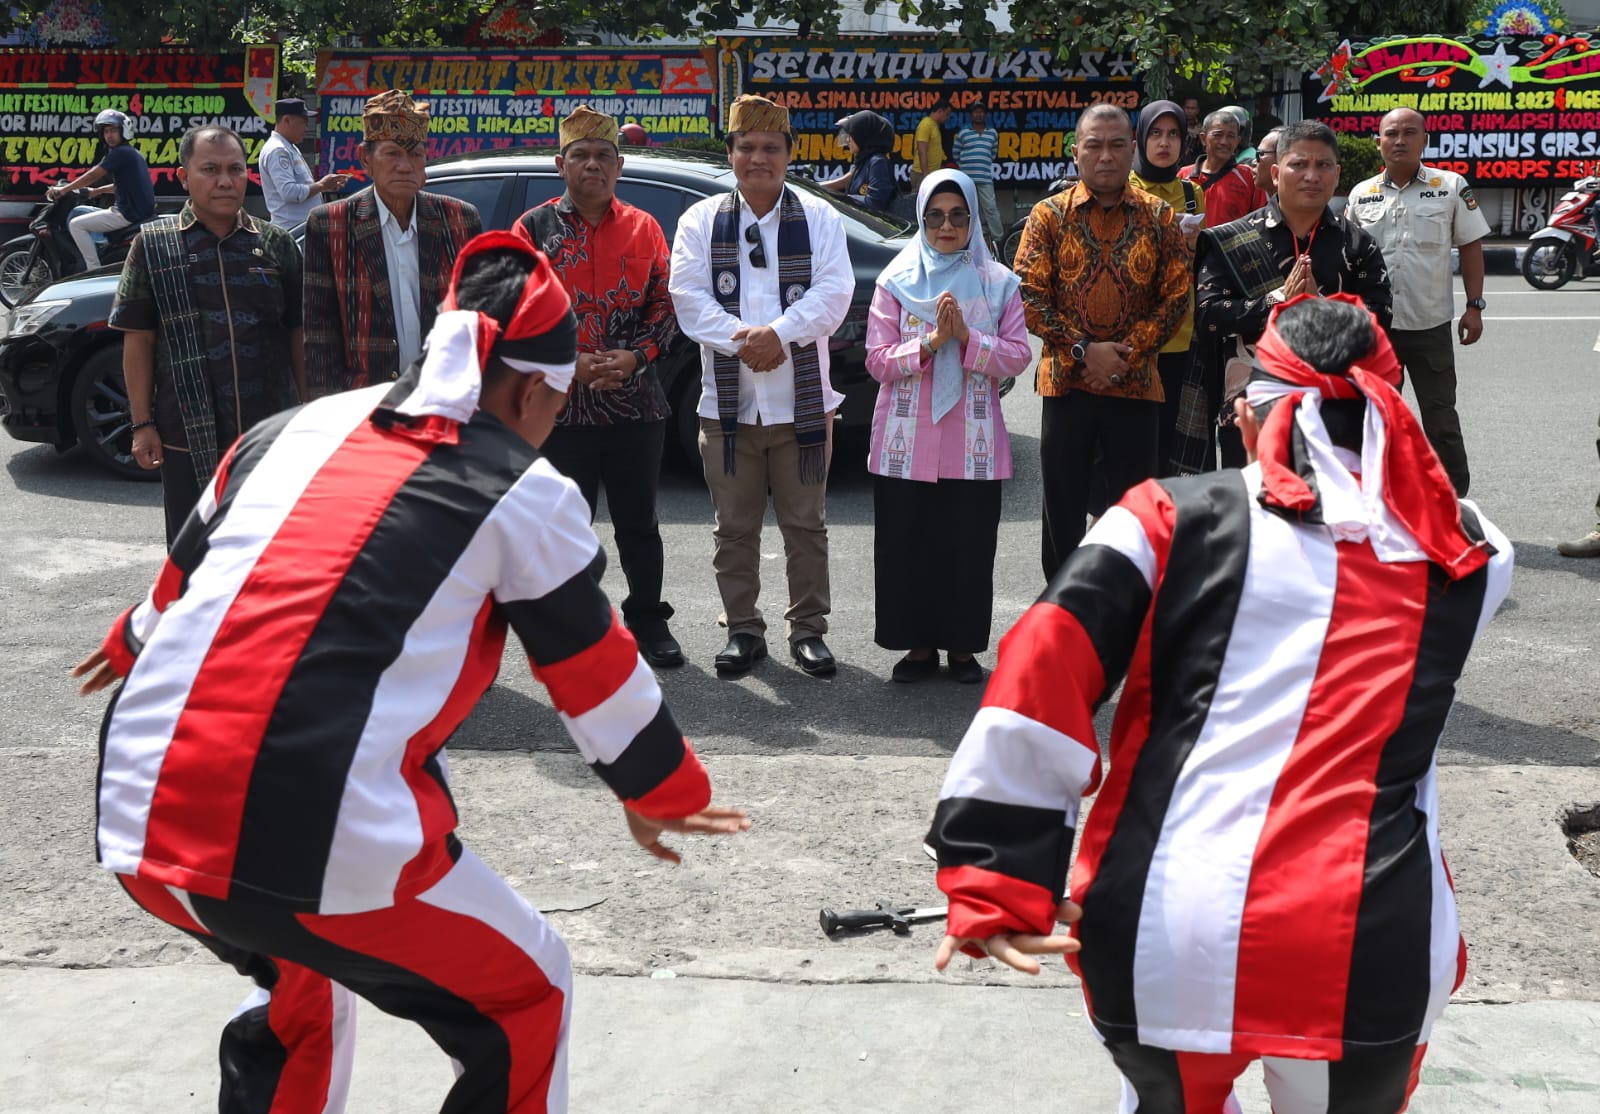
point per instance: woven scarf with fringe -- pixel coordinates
(167, 257)
(794, 279)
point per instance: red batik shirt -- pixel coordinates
(616, 274)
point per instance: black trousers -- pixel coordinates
(625, 460)
(1226, 441)
(1074, 426)
(1173, 367)
(933, 563)
(1429, 356)
(180, 491)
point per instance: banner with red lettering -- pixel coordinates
(1506, 111)
(482, 100)
(1033, 98)
(49, 99)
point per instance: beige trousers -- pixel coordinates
(767, 458)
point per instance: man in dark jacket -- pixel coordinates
(378, 263)
(1294, 245)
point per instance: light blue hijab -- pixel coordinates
(920, 273)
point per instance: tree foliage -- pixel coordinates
(1378, 19)
(1222, 45)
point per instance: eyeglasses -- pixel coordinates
(758, 253)
(959, 218)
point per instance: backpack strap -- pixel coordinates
(1189, 203)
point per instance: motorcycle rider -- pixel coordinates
(134, 195)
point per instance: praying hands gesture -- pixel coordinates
(1300, 280)
(760, 349)
(949, 323)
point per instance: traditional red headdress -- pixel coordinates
(543, 328)
(1411, 481)
(542, 336)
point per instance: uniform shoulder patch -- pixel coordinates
(1465, 193)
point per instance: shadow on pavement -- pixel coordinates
(1499, 740)
(774, 709)
(1531, 555)
(42, 470)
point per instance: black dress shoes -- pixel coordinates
(658, 647)
(740, 654)
(814, 656)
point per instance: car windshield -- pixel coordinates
(883, 226)
(867, 222)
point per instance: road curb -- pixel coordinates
(1498, 259)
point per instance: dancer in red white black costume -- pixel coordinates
(1260, 877)
(273, 777)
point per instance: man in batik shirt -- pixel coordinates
(612, 258)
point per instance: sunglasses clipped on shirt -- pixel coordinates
(758, 253)
(959, 218)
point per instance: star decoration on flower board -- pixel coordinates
(1335, 71)
(344, 77)
(689, 75)
(1499, 64)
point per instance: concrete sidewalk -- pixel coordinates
(142, 1041)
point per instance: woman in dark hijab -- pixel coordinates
(870, 182)
(1156, 160)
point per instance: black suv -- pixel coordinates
(61, 366)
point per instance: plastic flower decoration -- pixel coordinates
(1519, 18)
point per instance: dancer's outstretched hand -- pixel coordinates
(646, 831)
(1015, 949)
(97, 669)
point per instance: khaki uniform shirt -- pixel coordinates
(1416, 225)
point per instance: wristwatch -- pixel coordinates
(1080, 351)
(1477, 303)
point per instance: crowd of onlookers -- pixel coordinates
(1148, 279)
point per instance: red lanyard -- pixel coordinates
(1310, 239)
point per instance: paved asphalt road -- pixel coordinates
(841, 775)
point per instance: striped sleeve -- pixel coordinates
(1008, 810)
(606, 695)
(133, 628)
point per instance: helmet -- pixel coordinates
(110, 117)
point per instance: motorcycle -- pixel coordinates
(1013, 236)
(1568, 246)
(46, 251)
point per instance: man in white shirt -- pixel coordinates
(760, 278)
(1417, 213)
(286, 183)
